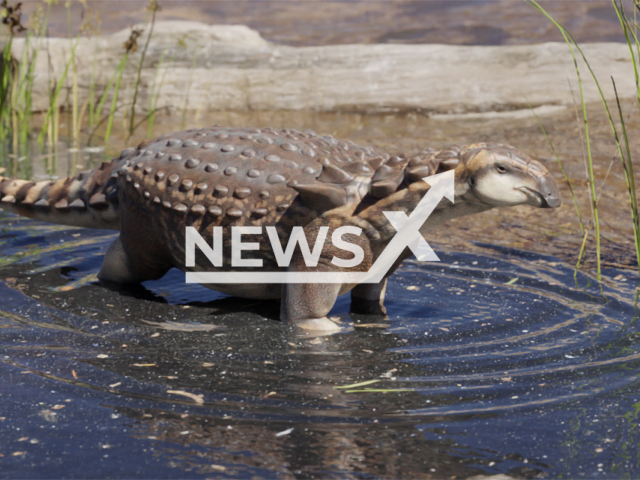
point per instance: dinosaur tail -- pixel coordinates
(87, 200)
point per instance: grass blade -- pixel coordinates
(153, 7)
(186, 97)
(53, 101)
(114, 100)
(361, 384)
(571, 43)
(629, 177)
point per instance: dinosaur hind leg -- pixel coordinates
(117, 267)
(368, 299)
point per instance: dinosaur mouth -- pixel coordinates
(547, 191)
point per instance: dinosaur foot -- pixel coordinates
(319, 325)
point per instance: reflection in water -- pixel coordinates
(475, 372)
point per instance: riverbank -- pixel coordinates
(223, 68)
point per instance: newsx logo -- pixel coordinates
(407, 236)
(283, 257)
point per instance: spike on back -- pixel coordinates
(333, 174)
(386, 180)
(321, 197)
(358, 168)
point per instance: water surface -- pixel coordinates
(321, 22)
(492, 362)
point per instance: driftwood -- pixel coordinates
(237, 70)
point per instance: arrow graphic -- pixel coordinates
(407, 235)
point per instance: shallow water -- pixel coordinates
(494, 362)
(459, 22)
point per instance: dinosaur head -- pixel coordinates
(499, 175)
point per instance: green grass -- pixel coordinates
(186, 97)
(153, 9)
(114, 100)
(623, 148)
(51, 116)
(154, 93)
(627, 160)
(99, 108)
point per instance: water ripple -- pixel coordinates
(474, 346)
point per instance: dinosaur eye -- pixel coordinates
(501, 169)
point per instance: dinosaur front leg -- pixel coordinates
(116, 266)
(368, 298)
(307, 304)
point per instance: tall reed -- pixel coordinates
(625, 159)
(17, 76)
(5, 82)
(186, 96)
(11, 16)
(153, 8)
(53, 109)
(154, 93)
(627, 162)
(114, 99)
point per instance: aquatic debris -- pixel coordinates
(98, 149)
(182, 327)
(48, 415)
(381, 390)
(196, 398)
(512, 281)
(372, 390)
(284, 432)
(80, 282)
(360, 384)
(371, 325)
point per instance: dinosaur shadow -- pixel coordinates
(221, 306)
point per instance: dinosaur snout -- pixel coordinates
(548, 191)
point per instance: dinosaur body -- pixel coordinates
(225, 177)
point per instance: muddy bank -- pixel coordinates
(243, 80)
(219, 67)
